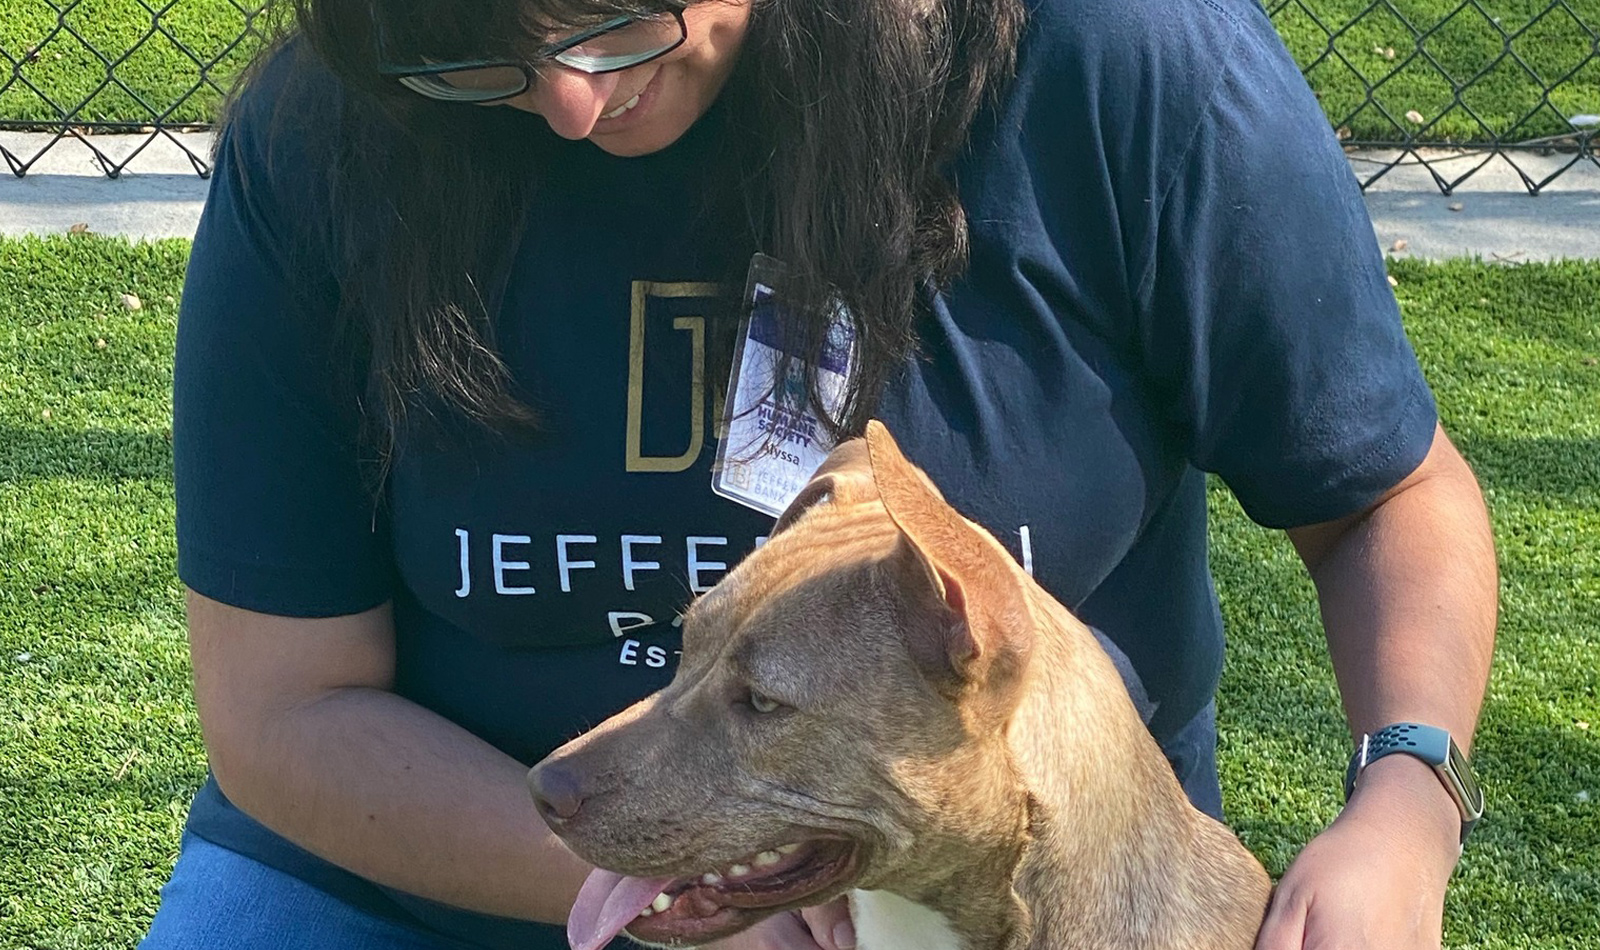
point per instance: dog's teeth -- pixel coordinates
(647, 912)
(768, 857)
(661, 903)
(790, 848)
(711, 877)
(739, 870)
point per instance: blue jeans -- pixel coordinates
(1192, 752)
(220, 900)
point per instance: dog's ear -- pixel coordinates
(985, 623)
(938, 635)
(844, 476)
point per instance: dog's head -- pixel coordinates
(837, 720)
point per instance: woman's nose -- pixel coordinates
(571, 101)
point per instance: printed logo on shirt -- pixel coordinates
(648, 323)
(516, 565)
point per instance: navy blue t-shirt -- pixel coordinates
(1172, 273)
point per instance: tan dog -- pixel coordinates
(881, 702)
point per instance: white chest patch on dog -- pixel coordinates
(886, 921)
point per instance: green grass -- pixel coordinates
(1378, 52)
(1512, 354)
(100, 739)
(102, 748)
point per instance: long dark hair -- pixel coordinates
(852, 109)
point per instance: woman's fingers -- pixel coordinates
(830, 925)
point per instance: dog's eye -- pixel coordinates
(763, 704)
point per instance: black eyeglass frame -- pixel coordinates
(528, 68)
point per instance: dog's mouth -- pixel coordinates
(697, 910)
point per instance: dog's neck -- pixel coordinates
(1113, 832)
(1112, 856)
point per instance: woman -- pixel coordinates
(441, 413)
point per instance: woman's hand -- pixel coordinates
(1376, 877)
(826, 927)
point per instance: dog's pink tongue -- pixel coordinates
(607, 903)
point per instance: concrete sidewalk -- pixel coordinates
(160, 195)
(1490, 216)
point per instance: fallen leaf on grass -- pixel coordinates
(1414, 117)
(79, 228)
(132, 302)
(1393, 282)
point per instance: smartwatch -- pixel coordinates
(1433, 746)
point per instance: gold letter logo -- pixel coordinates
(696, 327)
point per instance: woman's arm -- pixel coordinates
(304, 735)
(1408, 590)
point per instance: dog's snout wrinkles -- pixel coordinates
(556, 792)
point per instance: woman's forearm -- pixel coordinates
(391, 791)
(305, 734)
(1409, 595)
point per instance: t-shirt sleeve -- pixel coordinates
(273, 513)
(1266, 317)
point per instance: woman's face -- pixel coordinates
(644, 109)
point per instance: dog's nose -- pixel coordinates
(555, 792)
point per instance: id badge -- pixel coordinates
(772, 440)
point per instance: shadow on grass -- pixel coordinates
(146, 787)
(149, 788)
(1558, 468)
(104, 454)
(1550, 302)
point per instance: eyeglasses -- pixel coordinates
(619, 43)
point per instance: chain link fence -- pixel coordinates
(1450, 85)
(82, 69)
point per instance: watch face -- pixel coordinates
(1471, 794)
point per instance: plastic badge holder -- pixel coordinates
(771, 439)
